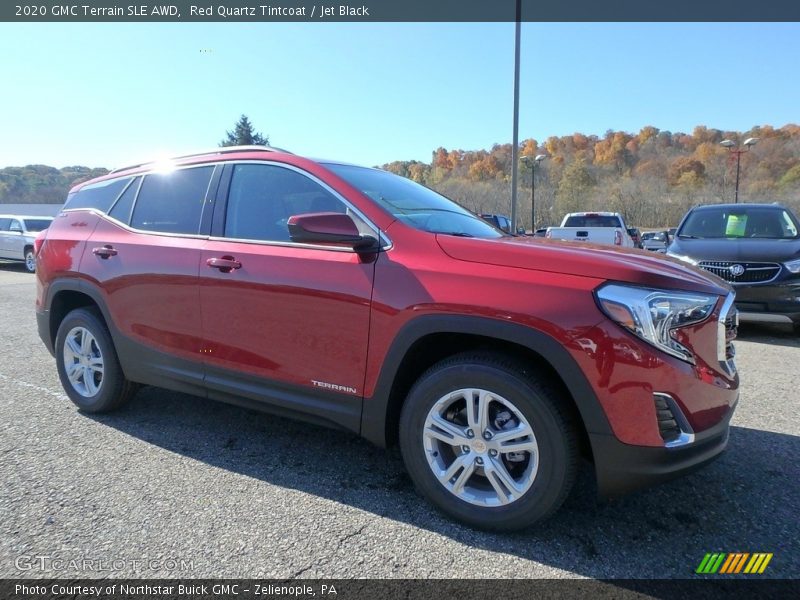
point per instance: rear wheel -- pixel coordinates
(489, 442)
(87, 363)
(30, 260)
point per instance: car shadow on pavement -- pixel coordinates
(746, 501)
(771, 334)
(12, 266)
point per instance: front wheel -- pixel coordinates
(87, 363)
(489, 441)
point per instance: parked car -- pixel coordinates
(17, 235)
(502, 222)
(655, 241)
(635, 237)
(755, 248)
(352, 297)
(596, 227)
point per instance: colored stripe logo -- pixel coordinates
(731, 563)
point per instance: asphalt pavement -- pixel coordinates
(178, 486)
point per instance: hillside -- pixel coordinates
(652, 176)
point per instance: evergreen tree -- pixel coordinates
(243, 135)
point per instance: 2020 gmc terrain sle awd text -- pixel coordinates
(355, 298)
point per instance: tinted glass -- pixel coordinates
(172, 202)
(414, 204)
(263, 197)
(4, 223)
(745, 222)
(121, 210)
(98, 195)
(592, 221)
(33, 225)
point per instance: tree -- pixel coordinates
(243, 135)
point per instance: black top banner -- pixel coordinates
(402, 10)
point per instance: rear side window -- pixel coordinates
(263, 197)
(36, 225)
(172, 202)
(99, 196)
(121, 211)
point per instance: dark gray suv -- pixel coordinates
(754, 247)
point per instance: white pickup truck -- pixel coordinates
(595, 227)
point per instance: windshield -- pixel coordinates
(414, 204)
(745, 222)
(34, 225)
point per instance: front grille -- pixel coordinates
(742, 272)
(667, 423)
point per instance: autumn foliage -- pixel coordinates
(652, 176)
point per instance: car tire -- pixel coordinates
(30, 260)
(88, 365)
(497, 387)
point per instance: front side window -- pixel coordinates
(172, 202)
(414, 204)
(263, 197)
(747, 222)
(4, 224)
(15, 225)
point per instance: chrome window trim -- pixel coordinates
(386, 242)
(119, 223)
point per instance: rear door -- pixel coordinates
(145, 257)
(291, 322)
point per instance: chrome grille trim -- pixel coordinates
(727, 324)
(754, 272)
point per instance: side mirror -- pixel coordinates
(329, 228)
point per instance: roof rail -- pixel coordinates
(218, 150)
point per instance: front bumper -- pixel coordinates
(776, 303)
(622, 468)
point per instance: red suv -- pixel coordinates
(352, 297)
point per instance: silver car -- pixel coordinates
(17, 233)
(657, 241)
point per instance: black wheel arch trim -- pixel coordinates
(374, 420)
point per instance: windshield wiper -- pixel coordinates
(687, 236)
(455, 233)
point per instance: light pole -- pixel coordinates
(532, 162)
(731, 145)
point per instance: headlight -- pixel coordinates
(793, 265)
(683, 257)
(653, 315)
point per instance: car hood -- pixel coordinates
(740, 249)
(638, 267)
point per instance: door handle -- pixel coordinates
(104, 251)
(225, 263)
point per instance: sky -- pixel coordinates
(110, 94)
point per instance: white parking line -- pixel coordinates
(33, 386)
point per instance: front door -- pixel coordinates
(284, 322)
